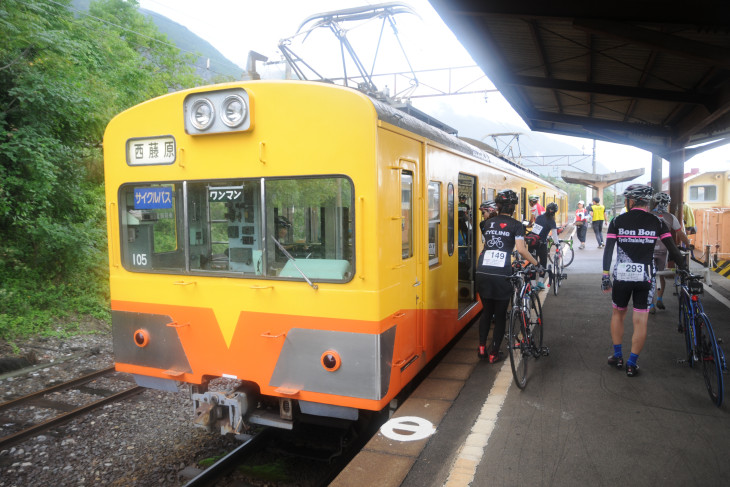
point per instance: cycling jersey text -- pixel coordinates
(639, 232)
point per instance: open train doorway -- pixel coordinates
(466, 241)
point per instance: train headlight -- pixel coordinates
(233, 111)
(202, 114)
(218, 112)
(330, 360)
(141, 338)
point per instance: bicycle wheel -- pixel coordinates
(568, 253)
(518, 344)
(684, 326)
(558, 269)
(709, 357)
(536, 324)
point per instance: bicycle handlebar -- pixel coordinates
(688, 275)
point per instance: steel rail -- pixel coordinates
(65, 385)
(34, 430)
(211, 474)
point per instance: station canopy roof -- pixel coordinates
(654, 74)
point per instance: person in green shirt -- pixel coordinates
(598, 216)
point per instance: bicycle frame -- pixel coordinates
(525, 332)
(705, 351)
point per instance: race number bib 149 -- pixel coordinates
(494, 258)
(630, 272)
(536, 228)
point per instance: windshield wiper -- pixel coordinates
(293, 261)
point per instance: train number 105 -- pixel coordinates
(139, 260)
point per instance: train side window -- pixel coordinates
(491, 194)
(523, 204)
(434, 221)
(450, 218)
(151, 233)
(406, 205)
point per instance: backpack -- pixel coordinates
(532, 240)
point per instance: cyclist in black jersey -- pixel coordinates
(634, 235)
(543, 226)
(502, 234)
(489, 210)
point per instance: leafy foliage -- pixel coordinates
(63, 76)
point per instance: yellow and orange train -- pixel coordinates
(300, 238)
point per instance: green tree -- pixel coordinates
(62, 77)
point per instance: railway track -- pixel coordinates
(66, 411)
(223, 466)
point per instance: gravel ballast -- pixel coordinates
(148, 439)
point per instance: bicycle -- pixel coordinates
(567, 246)
(525, 331)
(556, 269)
(699, 337)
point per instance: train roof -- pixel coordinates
(398, 117)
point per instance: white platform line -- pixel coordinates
(717, 296)
(472, 451)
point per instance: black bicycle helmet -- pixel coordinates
(506, 196)
(489, 205)
(638, 192)
(551, 208)
(661, 199)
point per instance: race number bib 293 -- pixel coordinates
(536, 228)
(494, 258)
(630, 272)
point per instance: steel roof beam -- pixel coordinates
(699, 51)
(605, 89)
(647, 130)
(705, 13)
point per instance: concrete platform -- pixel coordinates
(578, 421)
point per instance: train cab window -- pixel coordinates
(434, 221)
(406, 205)
(150, 234)
(224, 225)
(309, 228)
(303, 228)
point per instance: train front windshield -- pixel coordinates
(273, 228)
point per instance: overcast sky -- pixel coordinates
(235, 27)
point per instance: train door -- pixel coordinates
(466, 242)
(410, 248)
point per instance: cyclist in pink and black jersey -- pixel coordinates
(634, 235)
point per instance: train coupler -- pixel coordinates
(215, 410)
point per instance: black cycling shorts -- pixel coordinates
(641, 293)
